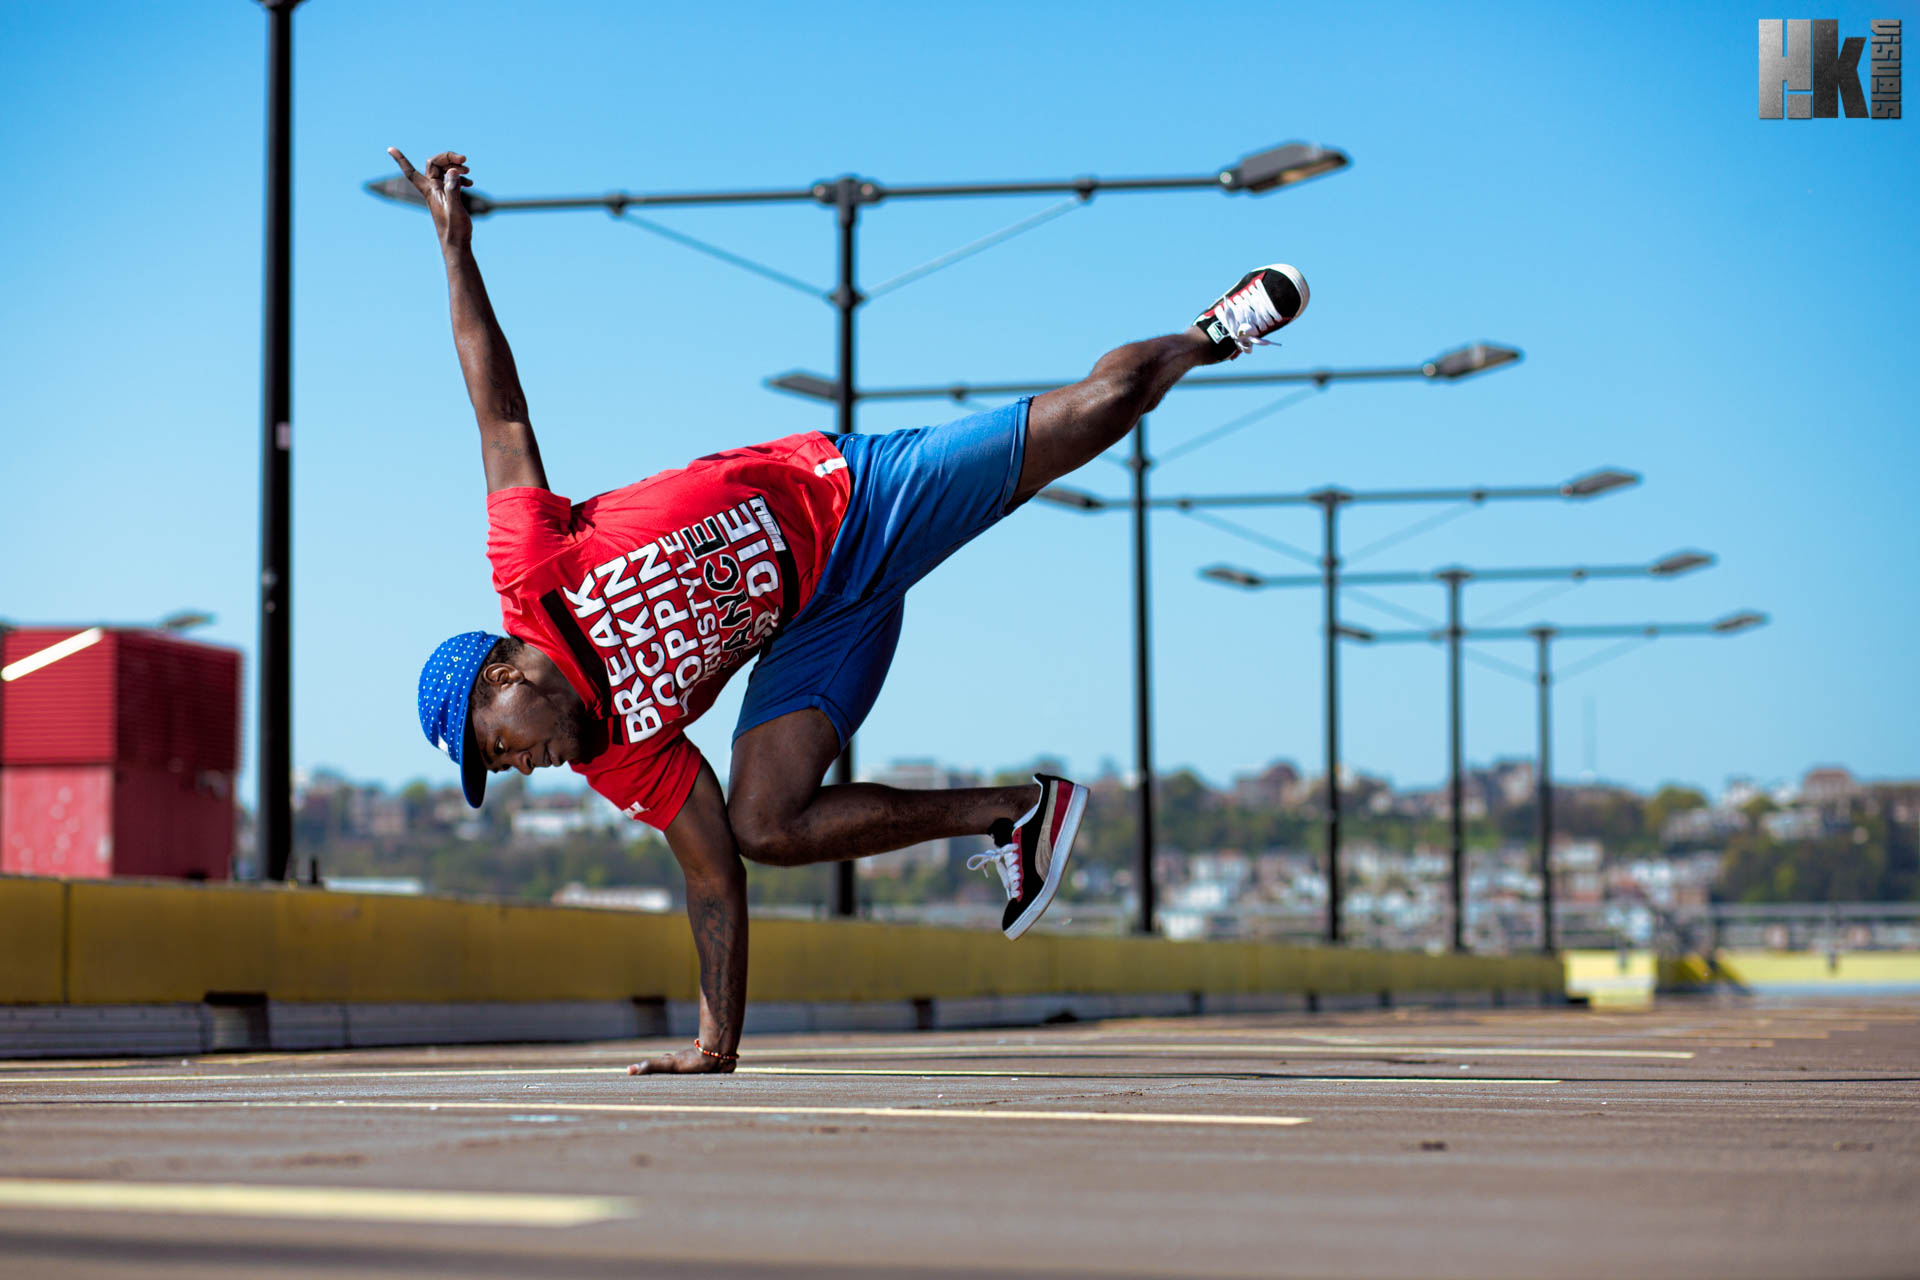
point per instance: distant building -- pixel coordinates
(1804, 823)
(1828, 787)
(1702, 827)
(1274, 787)
(557, 815)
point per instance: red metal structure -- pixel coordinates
(118, 750)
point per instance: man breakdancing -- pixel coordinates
(626, 613)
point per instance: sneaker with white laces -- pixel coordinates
(1264, 302)
(1032, 854)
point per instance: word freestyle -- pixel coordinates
(1808, 73)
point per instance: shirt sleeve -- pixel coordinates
(647, 782)
(526, 527)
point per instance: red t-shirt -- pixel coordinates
(651, 596)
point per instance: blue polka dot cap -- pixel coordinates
(446, 686)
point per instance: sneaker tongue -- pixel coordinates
(1001, 832)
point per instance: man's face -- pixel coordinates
(521, 728)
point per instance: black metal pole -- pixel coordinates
(1329, 572)
(1543, 637)
(1458, 871)
(1142, 688)
(845, 299)
(275, 783)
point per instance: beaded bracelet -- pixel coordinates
(724, 1057)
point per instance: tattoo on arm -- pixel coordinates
(719, 935)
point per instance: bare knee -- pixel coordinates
(765, 834)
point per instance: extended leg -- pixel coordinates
(1068, 428)
(782, 816)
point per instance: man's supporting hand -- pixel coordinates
(440, 188)
(702, 842)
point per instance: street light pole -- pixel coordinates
(1543, 782)
(1456, 871)
(1329, 500)
(274, 797)
(1142, 690)
(846, 300)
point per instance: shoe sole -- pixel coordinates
(1062, 850)
(1299, 282)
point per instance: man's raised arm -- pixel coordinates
(493, 384)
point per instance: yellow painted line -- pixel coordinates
(88, 1065)
(724, 1109)
(221, 1199)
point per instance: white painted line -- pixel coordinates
(430, 1073)
(261, 1077)
(1015, 1073)
(718, 1109)
(221, 1199)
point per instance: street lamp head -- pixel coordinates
(811, 385)
(1466, 361)
(1282, 167)
(1680, 562)
(1740, 622)
(1064, 497)
(401, 191)
(1347, 631)
(1231, 576)
(185, 620)
(1595, 483)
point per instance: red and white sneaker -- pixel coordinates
(1264, 302)
(1032, 859)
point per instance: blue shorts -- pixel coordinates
(918, 496)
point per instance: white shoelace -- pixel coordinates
(1245, 313)
(1005, 860)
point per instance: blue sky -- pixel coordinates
(1719, 302)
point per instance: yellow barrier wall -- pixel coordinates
(1815, 969)
(139, 942)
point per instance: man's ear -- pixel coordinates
(499, 675)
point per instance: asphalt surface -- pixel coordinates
(1696, 1139)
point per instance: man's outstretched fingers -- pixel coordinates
(411, 174)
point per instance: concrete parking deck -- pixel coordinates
(1695, 1139)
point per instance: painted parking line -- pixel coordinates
(231, 1200)
(708, 1109)
(262, 1077)
(1015, 1073)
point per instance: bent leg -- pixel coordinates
(1068, 428)
(783, 816)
